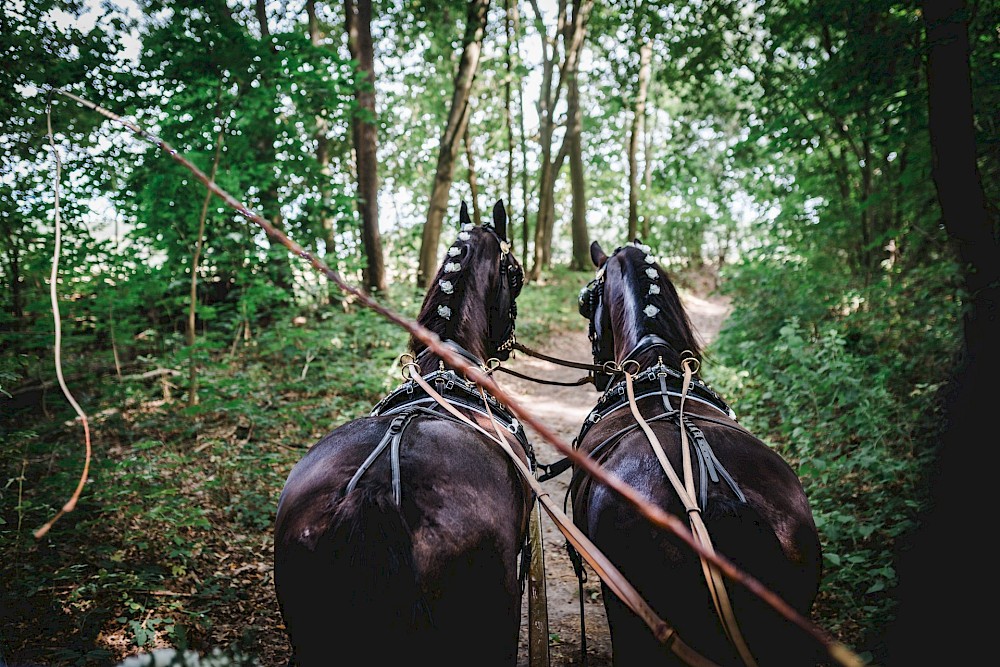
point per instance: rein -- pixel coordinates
(555, 360)
(587, 379)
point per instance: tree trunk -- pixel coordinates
(508, 25)
(278, 264)
(323, 158)
(973, 226)
(571, 29)
(581, 240)
(359, 40)
(477, 216)
(458, 117)
(649, 130)
(638, 121)
(193, 305)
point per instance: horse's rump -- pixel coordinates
(432, 576)
(668, 573)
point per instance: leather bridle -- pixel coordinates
(503, 308)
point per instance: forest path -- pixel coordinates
(563, 410)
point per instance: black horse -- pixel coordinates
(398, 535)
(748, 501)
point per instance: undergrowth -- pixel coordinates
(170, 544)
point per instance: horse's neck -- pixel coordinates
(640, 343)
(628, 311)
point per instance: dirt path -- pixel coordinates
(563, 409)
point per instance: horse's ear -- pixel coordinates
(463, 215)
(500, 219)
(597, 254)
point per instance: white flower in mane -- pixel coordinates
(444, 311)
(650, 259)
(463, 236)
(454, 251)
(651, 310)
(446, 286)
(467, 227)
(452, 267)
(651, 272)
(644, 248)
(654, 289)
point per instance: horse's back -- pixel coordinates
(772, 537)
(358, 575)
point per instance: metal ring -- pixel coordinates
(404, 366)
(687, 362)
(630, 361)
(610, 367)
(492, 364)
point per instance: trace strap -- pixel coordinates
(686, 492)
(610, 574)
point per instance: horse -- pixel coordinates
(743, 499)
(398, 535)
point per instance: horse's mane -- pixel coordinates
(476, 251)
(670, 321)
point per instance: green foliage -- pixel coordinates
(787, 146)
(552, 306)
(823, 381)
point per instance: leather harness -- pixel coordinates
(410, 400)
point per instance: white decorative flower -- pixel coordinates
(651, 310)
(467, 226)
(463, 236)
(651, 272)
(445, 312)
(454, 251)
(446, 286)
(452, 267)
(650, 259)
(654, 289)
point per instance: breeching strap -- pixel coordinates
(605, 568)
(686, 492)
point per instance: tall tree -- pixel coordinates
(279, 263)
(560, 52)
(973, 225)
(477, 216)
(580, 258)
(451, 138)
(359, 40)
(317, 38)
(636, 134)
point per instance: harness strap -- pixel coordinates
(610, 574)
(713, 577)
(393, 434)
